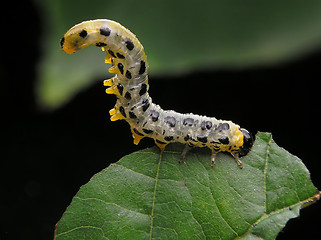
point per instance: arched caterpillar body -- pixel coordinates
(130, 84)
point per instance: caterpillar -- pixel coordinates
(130, 84)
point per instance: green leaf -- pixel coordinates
(178, 36)
(149, 195)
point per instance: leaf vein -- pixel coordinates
(264, 216)
(154, 195)
(110, 203)
(211, 195)
(234, 190)
(82, 227)
(129, 169)
(265, 169)
(191, 206)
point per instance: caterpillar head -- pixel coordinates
(247, 142)
(74, 40)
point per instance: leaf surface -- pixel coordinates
(149, 195)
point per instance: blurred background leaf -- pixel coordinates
(178, 36)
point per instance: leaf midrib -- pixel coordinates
(265, 169)
(154, 195)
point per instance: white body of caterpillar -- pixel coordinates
(146, 119)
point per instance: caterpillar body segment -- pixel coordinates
(130, 84)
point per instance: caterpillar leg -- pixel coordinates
(237, 160)
(115, 115)
(213, 158)
(186, 149)
(108, 82)
(160, 145)
(113, 89)
(137, 136)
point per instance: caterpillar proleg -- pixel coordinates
(130, 84)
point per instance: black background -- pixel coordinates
(47, 156)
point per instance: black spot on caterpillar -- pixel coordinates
(105, 31)
(130, 85)
(83, 33)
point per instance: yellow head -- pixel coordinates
(76, 38)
